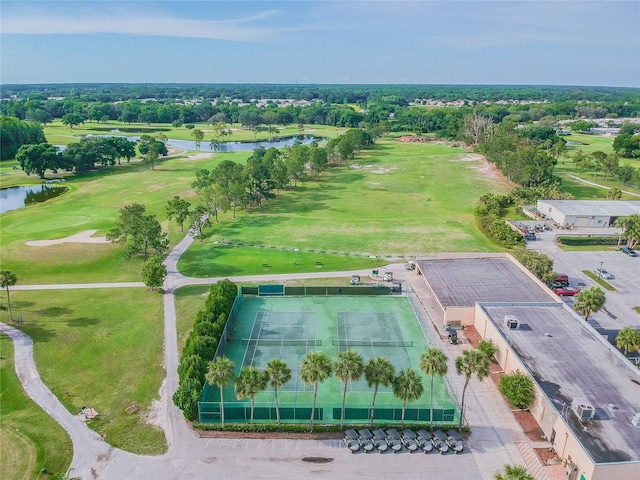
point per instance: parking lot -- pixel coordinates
(618, 311)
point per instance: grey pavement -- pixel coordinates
(492, 443)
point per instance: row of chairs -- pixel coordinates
(394, 441)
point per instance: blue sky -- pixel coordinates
(452, 42)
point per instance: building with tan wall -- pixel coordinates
(587, 393)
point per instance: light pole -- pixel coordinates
(600, 271)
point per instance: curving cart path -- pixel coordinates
(190, 457)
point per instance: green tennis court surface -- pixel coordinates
(290, 327)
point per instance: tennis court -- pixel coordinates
(290, 327)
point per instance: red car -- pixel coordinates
(566, 291)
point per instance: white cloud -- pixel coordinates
(141, 24)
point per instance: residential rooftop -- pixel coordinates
(569, 360)
(461, 282)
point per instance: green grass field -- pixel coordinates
(397, 199)
(59, 134)
(318, 318)
(105, 348)
(590, 144)
(30, 440)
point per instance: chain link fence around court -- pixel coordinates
(290, 336)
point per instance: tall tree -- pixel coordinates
(141, 232)
(220, 373)
(378, 371)
(198, 136)
(628, 339)
(249, 383)
(279, 374)
(589, 301)
(433, 362)
(407, 387)
(72, 119)
(178, 209)
(38, 159)
(153, 273)
(349, 367)
(471, 362)
(199, 221)
(8, 279)
(476, 128)
(315, 368)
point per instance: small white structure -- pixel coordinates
(587, 213)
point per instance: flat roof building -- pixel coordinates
(587, 393)
(587, 213)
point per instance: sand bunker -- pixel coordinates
(82, 237)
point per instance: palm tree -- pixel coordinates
(513, 472)
(469, 363)
(628, 339)
(8, 279)
(348, 366)
(279, 374)
(315, 367)
(622, 223)
(220, 372)
(589, 301)
(249, 383)
(378, 371)
(433, 362)
(407, 387)
(214, 145)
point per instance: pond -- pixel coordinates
(572, 142)
(13, 198)
(235, 146)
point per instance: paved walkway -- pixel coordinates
(582, 180)
(492, 444)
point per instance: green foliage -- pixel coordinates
(304, 429)
(39, 158)
(536, 262)
(471, 362)
(201, 345)
(628, 340)
(487, 348)
(408, 387)
(142, 233)
(518, 389)
(154, 272)
(513, 472)
(589, 301)
(14, 133)
(588, 240)
(178, 209)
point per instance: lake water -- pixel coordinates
(235, 146)
(13, 198)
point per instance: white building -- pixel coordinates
(587, 213)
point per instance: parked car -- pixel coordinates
(566, 291)
(563, 279)
(410, 265)
(629, 251)
(581, 286)
(602, 273)
(388, 276)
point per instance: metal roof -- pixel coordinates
(593, 208)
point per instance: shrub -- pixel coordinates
(518, 389)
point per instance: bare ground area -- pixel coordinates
(82, 237)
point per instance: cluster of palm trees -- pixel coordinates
(317, 367)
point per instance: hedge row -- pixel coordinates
(582, 241)
(201, 346)
(304, 427)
